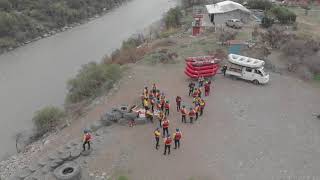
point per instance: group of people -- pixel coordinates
(156, 103)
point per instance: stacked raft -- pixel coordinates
(206, 66)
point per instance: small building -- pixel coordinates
(220, 12)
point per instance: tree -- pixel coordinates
(173, 18)
(259, 4)
(267, 22)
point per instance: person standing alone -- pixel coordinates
(86, 140)
(167, 144)
(165, 126)
(177, 136)
(178, 101)
(157, 137)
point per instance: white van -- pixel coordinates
(247, 68)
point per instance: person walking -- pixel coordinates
(152, 103)
(192, 113)
(167, 108)
(177, 136)
(160, 118)
(183, 114)
(167, 144)
(86, 139)
(191, 88)
(197, 110)
(202, 105)
(224, 69)
(178, 101)
(157, 135)
(165, 126)
(206, 89)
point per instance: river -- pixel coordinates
(35, 75)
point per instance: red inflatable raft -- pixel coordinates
(206, 66)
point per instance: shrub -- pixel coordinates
(259, 4)
(267, 22)
(133, 42)
(47, 119)
(173, 18)
(225, 36)
(284, 15)
(90, 79)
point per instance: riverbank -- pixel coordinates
(13, 40)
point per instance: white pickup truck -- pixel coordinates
(247, 68)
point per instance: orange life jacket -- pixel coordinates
(168, 141)
(177, 136)
(156, 133)
(165, 124)
(197, 109)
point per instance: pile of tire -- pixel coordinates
(119, 115)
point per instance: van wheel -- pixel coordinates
(256, 82)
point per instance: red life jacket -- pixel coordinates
(168, 141)
(159, 106)
(158, 95)
(192, 113)
(167, 106)
(195, 94)
(165, 124)
(178, 99)
(87, 137)
(177, 136)
(162, 101)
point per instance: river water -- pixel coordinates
(35, 75)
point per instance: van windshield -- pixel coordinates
(260, 72)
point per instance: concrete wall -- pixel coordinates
(220, 19)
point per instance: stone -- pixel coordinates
(34, 166)
(43, 161)
(52, 156)
(23, 173)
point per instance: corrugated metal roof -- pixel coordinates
(225, 6)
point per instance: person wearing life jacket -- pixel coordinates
(152, 103)
(206, 89)
(146, 104)
(158, 94)
(151, 95)
(197, 110)
(192, 113)
(146, 91)
(162, 96)
(149, 115)
(176, 137)
(191, 87)
(161, 118)
(195, 93)
(158, 105)
(202, 105)
(86, 139)
(157, 135)
(154, 89)
(167, 144)
(200, 81)
(178, 101)
(167, 108)
(183, 114)
(162, 102)
(165, 126)
(199, 92)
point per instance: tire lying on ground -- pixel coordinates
(130, 116)
(68, 171)
(141, 120)
(123, 109)
(113, 116)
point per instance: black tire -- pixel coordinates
(256, 82)
(130, 116)
(68, 171)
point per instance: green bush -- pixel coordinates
(90, 80)
(267, 22)
(173, 18)
(284, 15)
(47, 119)
(259, 4)
(122, 178)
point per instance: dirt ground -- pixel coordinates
(247, 131)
